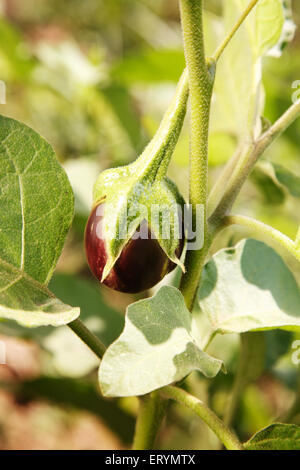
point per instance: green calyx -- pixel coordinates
(142, 191)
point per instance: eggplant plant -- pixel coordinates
(244, 289)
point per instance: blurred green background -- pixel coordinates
(94, 78)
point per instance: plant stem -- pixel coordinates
(87, 337)
(201, 78)
(155, 159)
(248, 160)
(241, 20)
(151, 413)
(226, 436)
(264, 230)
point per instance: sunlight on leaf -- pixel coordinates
(155, 349)
(248, 288)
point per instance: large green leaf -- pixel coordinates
(276, 437)
(155, 349)
(36, 203)
(248, 288)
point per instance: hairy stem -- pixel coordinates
(226, 436)
(201, 78)
(88, 337)
(151, 413)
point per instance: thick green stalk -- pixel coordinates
(201, 78)
(88, 337)
(151, 413)
(226, 436)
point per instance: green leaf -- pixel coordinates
(36, 212)
(70, 356)
(155, 349)
(248, 288)
(36, 201)
(29, 303)
(276, 437)
(238, 94)
(266, 23)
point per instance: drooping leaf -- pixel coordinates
(36, 203)
(28, 302)
(70, 356)
(156, 348)
(276, 437)
(248, 288)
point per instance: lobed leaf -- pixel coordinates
(155, 349)
(249, 288)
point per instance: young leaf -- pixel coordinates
(276, 437)
(248, 288)
(36, 201)
(155, 349)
